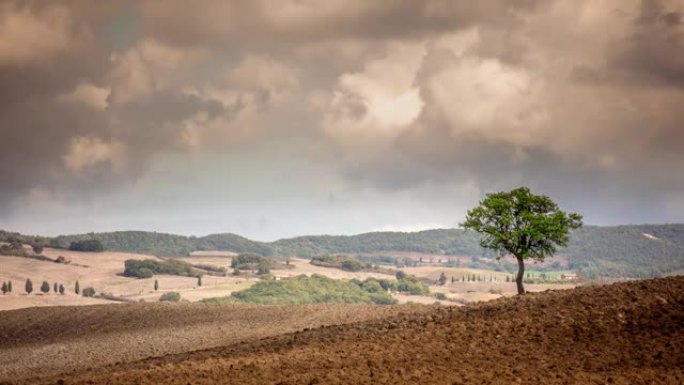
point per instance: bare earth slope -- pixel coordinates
(51, 340)
(626, 333)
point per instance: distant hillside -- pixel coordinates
(634, 251)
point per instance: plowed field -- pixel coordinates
(626, 333)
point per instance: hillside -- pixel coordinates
(625, 333)
(635, 251)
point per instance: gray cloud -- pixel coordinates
(578, 99)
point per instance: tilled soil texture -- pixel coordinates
(625, 333)
(48, 341)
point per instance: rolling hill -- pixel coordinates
(633, 251)
(624, 333)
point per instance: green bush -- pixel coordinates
(171, 296)
(149, 267)
(86, 245)
(88, 292)
(303, 290)
(343, 262)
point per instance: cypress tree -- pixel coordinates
(4, 288)
(55, 288)
(156, 285)
(77, 288)
(199, 280)
(28, 286)
(45, 287)
(61, 289)
(9, 286)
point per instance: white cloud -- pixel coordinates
(91, 95)
(87, 152)
(381, 100)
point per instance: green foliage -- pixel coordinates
(156, 285)
(199, 281)
(251, 261)
(339, 261)
(412, 285)
(88, 292)
(28, 287)
(5, 289)
(61, 289)
(441, 296)
(148, 267)
(171, 296)
(92, 245)
(521, 223)
(313, 289)
(263, 268)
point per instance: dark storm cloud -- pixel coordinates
(390, 95)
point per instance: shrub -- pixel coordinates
(495, 290)
(303, 290)
(88, 292)
(149, 267)
(171, 296)
(441, 296)
(28, 286)
(86, 245)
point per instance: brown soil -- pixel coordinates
(625, 333)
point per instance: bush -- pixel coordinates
(149, 267)
(441, 296)
(343, 262)
(86, 245)
(88, 292)
(171, 296)
(303, 290)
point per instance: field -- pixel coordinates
(624, 333)
(102, 271)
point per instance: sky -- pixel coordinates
(273, 119)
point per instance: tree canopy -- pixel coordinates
(523, 224)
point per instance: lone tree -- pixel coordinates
(29, 286)
(45, 287)
(9, 286)
(77, 288)
(522, 224)
(156, 285)
(55, 287)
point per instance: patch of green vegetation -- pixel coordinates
(148, 267)
(256, 262)
(171, 296)
(304, 290)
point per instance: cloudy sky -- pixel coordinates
(279, 118)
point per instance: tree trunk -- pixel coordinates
(521, 274)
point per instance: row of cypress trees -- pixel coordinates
(44, 287)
